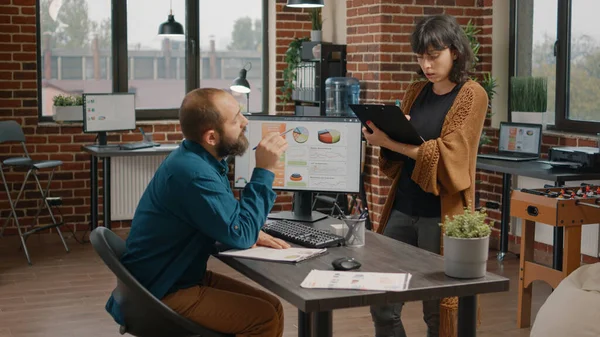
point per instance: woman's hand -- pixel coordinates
(378, 137)
(266, 240)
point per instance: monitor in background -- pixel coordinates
(520, 138)
(108, 112)
(323, 155)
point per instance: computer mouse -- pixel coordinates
(345, 263)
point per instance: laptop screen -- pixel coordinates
(520, 138)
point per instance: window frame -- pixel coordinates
(563, 64)
(120, 65)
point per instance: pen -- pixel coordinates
(281, 134)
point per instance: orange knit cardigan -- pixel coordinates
(445, 166)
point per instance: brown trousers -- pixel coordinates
(225, 305)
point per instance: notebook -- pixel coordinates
(271, 254)
(517, 142)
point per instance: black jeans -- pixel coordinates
(419, 232)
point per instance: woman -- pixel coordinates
(437, 178)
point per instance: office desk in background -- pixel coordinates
(532, 169)
(106, 153)
(380, 254)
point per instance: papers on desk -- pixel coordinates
(272, 254)
(328, 279)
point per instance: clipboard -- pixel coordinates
(389, 119)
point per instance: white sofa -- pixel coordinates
(573, 308)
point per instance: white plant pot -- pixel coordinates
(67, 113)
(316, 35)
(528, 117)
(465, 258)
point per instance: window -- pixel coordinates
(73, 35)
(150, 55)
(222, 37)
(558, 39)
(230, 38)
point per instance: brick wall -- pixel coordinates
(380, 56)
(290, 23)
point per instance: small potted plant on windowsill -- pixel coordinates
(528, 99)
(67, 108)
(466, 244)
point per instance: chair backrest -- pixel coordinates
(144, 314)
(10, 131)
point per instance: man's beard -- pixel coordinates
(227, 147)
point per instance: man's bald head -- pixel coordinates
(200, 112)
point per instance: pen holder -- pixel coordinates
(354, 232)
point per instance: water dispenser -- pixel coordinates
(339, 93)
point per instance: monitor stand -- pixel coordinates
(302, 211)
(102, 142)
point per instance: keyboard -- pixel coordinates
(137, 145)
(302, 235)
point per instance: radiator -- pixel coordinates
(129, 178)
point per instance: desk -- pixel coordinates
(531, 169)
(107, 152)
(380, 254)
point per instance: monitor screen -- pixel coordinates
(522, 138)
(108, 112)
(323, 153)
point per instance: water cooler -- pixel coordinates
(339, 93)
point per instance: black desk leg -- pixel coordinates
(557, 242)
(316, 324)
(504, 228)
(467, 316)
(106, 191)
(94, 192)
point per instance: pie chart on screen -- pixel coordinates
(329, 136)
(300, 134)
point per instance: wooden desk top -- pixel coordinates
(380, 254)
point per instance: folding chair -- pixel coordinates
(10, 131)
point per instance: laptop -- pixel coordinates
(517, 142)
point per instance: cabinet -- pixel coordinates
(319, 61)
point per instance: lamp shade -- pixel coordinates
(170, 27)
(305, 3)
(240, 84)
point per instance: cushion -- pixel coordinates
(573, 308)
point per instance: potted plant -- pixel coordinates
(292, 58)
(528, 99)
(67, 108)
(317, 24)
(466, 244)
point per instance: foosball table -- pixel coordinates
(567, 207)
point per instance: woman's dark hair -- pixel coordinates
(439, 32)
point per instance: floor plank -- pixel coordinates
(63, 295)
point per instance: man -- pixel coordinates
(189, 205)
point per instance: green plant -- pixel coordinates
(315, 18)
(67, 100)
(488, 82)
(293, 59)
(469, 224)
(528, 94)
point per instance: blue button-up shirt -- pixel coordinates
(187, 207)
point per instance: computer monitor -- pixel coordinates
(107, 112)
(323, 155)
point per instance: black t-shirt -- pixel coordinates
(427, 116)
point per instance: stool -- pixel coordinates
(10, 131)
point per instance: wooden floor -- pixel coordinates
(63, 294)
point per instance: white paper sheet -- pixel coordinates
(327, 279)
(272, 254)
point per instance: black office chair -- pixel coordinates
(144, 314)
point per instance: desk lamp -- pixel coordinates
(241, 85)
